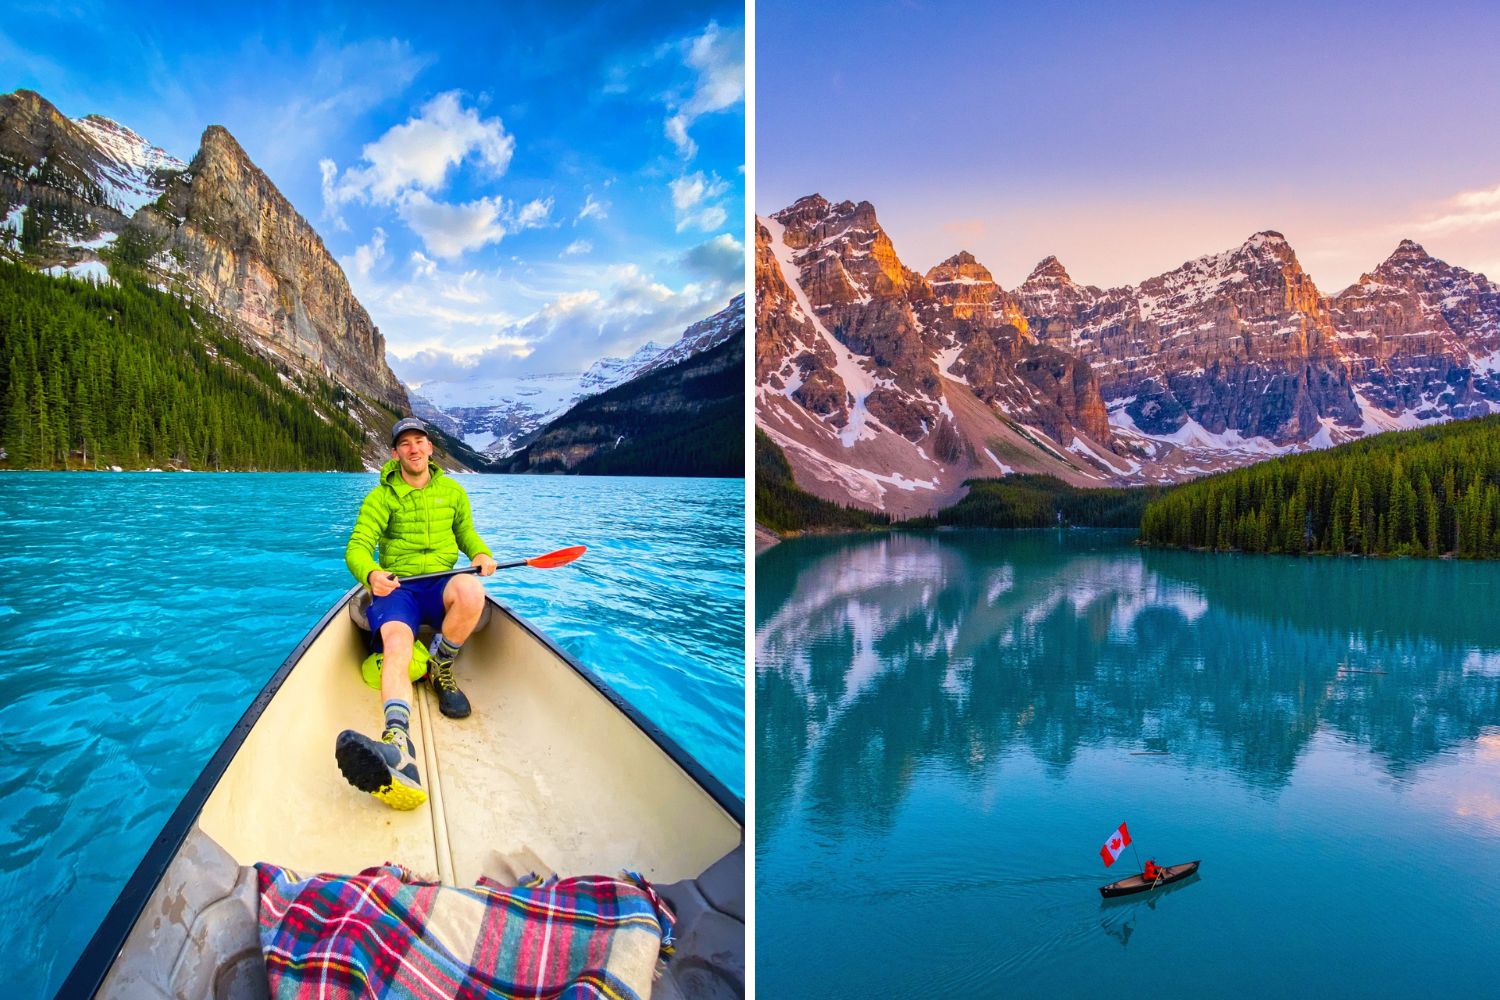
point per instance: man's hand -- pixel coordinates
(382, 583)
(485, 563)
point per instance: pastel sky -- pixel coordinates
(526, 186)
(1127, 138)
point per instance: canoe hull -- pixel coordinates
(555, 771)
(1137, 883)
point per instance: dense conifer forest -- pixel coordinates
(99, 375)
(1035, 501)
(783, 506)
(1426, 492)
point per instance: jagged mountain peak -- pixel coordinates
(1265, 244)
(815, 210)
(33, 102)
(1049, 270)
(804, 212)
(1408, 252)
(110, 125)
(128, 148)
(961, 268)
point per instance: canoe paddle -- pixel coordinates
(551, 560)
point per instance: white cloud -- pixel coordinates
(416, 156)
(534, 214)
(718, 59)
(366, 256)
(422, 265)
(592, 209)
(692, 197)
(449, 230)
(574, 328)
(577, 247)
(675, 128)
(721, 259)
(1467, 210)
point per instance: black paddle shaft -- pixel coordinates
(459, 572)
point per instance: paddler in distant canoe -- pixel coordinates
(419, 520)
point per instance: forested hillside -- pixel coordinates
(1033, 501)
(100, 375)
(782, 505)
(1425, 493)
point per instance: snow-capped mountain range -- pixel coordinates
(497, 414)
(888, 389)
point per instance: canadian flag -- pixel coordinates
(1115, 845)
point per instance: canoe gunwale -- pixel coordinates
(1178, 872)
(98, 956)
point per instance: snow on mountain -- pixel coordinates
(133, 172)
(703, 335)
(1230, 358)
(497, 414)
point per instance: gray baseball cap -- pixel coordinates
(407, 424)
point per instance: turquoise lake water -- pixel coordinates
(141, 613)
(949, 725)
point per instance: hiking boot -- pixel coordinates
(451, 701)
(385, 767)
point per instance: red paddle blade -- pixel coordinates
(561, 557)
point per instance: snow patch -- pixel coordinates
(857, 381)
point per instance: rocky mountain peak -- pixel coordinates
(1408, 254)
(804, 212)
(1050, 270)
(962, 269)
(862, 214)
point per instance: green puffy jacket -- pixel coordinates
(417, 531)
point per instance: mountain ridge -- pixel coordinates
(1228, 358)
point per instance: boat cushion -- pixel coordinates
(386, 932)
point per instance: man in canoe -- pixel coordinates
(418, 518)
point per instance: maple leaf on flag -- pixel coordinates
(1115, 843)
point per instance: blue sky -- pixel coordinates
(531, 186)
(1128, 137)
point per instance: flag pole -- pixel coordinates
(1137, 855)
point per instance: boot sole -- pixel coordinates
(454, 715)
(367, 770)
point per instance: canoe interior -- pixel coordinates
(547, 774)
(1139, 883)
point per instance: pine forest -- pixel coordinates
(1429, 492)
(100, 375)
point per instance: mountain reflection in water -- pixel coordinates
(949, 724)
(960, 648)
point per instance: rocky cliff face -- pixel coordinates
(1421, 337)
(1235, 342)
(890, 387)
(1228, 359)
(239, 244)
(90, 195)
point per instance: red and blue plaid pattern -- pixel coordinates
(383, 933)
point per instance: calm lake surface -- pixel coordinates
(950, 725)
(141, 613)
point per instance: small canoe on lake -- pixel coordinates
(554, 772)
(1139, 883)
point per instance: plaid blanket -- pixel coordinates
(384, 933)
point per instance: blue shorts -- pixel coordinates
(417, 603)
